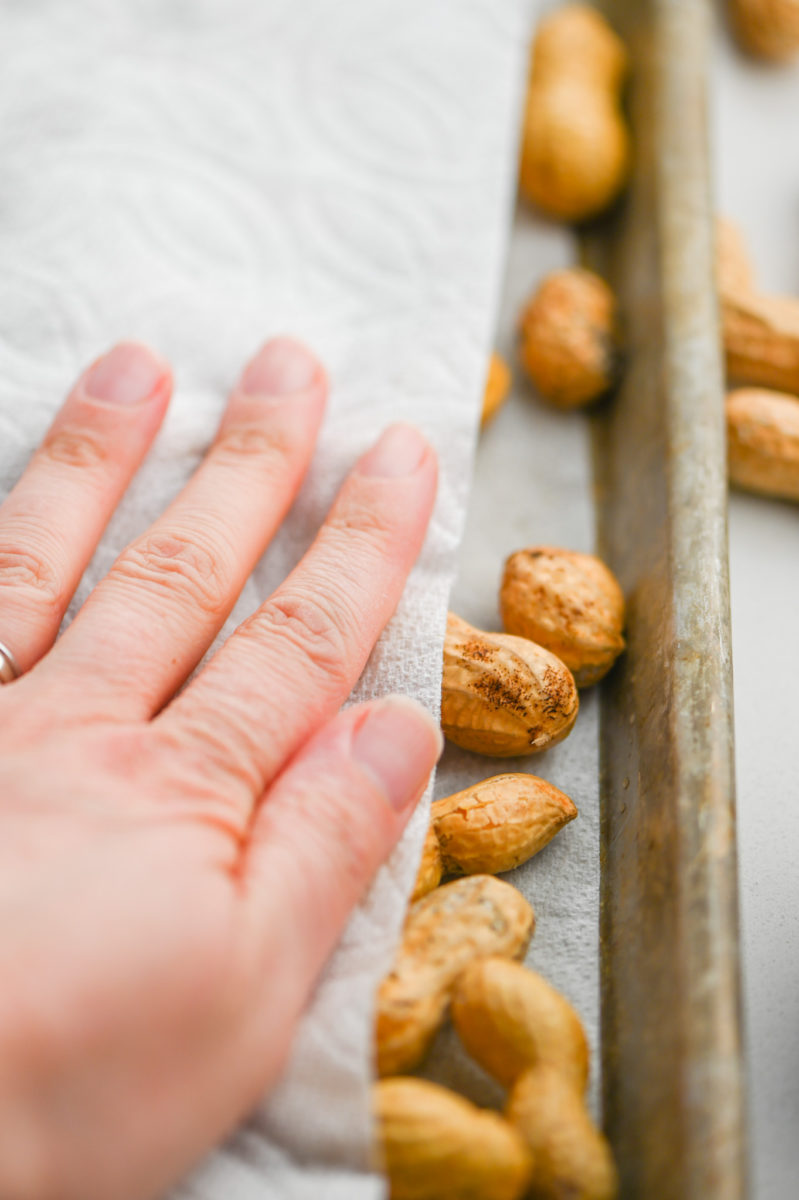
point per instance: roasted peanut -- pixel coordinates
(761, 339)
(571, 603)
(760, 332)
(503, 695)
(571, 1158)
(509, 1018)
(763, 441)
(444, 931)
(430, 867)
(496, 389)
(575, 146)
(734, 271)
(767, 28)
(435, 1145)
(495, 825)
(567, 340)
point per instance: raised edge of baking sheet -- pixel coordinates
(671, 1018)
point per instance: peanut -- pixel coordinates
(503, 695)
(444, 931)
(567, 339)
(763, 441)
(734, 270)
(575, 146)
(495, 825)
(509, 1018)
(496, 389)
(431, 868)
(760, 332)
(571, 1157)
(767, 28)
(437, 1146)
(571, 603)
(761, 339)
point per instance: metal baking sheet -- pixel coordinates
(671, 1019)
(637, 900)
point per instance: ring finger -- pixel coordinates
(52, 520)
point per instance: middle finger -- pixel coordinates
(147, 624)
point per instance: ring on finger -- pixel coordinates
(9, 667)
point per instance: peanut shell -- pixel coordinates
(763, 441)
(503, 695)
(444, 932)
(569, 602)
(430, 867)
(575, 146)
(498, 824)
(734, 270)
(761, 339)
(435, 1145)
(496, 388)
(509, 1018)
(571, 1157)
(767, 28)
(567, 339)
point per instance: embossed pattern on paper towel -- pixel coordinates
(199, 174)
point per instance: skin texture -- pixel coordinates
(175, 872)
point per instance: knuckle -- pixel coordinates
(207, 772)
(317, 631)
(242, 441)
(74, 447)
(28, 570)
(362, 522)
(179, 564)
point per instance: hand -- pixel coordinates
(174, 870)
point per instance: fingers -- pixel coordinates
(51, 522)
(328, 823)
(291, 665)
(169, 593)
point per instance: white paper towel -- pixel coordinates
(202, 173)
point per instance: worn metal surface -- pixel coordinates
(671, 1022)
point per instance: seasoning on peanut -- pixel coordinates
(503, 695)
(569, 602)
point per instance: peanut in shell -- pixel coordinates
(496, 825)
(503, 695)
(443, 933)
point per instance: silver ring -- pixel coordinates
(9, 667)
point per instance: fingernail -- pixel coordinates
(127, 374)
(397, 452)
(399, 743)
(282, 367)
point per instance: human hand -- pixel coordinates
(174, 870)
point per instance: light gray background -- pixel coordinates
(756, 131)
